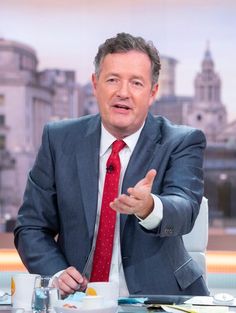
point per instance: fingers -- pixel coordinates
(124, 204)
(139, 201)
(71, 280)
(84, 284)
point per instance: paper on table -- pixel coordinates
(197, 309)
(178, 309)
(207, 301)
(200, 300)
(211, 309)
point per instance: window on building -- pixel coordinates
(210, 89)
(217, 93)
(2, 100)
(2, 142)
(26, 63)
(2, 120)
(199, 117)
(209, 74)
(201, 90)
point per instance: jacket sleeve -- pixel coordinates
(37, 222)
(182, 186)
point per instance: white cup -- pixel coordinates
(108, 290)
(22, 286)
(92, 302)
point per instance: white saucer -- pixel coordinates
(223, 298)
(108, 307)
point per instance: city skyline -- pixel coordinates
(66, 35)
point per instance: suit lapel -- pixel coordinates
(141, 157)
(88, 171)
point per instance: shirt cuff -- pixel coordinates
(155, 217)
(56, 275)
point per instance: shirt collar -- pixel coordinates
(107, 140)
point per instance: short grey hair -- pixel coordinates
(124, 42)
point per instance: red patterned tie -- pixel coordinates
(104, 244)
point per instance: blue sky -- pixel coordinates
(66, 33)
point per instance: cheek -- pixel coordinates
(144, 103)
(103, 96)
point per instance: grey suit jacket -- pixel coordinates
(61, 200)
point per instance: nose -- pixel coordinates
(123, 90)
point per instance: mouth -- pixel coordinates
(121, 106)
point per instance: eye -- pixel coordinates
(112, 80)
(137, 83)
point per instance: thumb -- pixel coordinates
(150, 176)
(147, 180)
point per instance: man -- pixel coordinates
(160, 182)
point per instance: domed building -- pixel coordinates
(207, 112)
(28, 99)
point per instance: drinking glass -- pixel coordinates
(46, 281)
(45, 295)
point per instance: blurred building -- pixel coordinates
(8, 199)
(220, 179)
(64, 92)
(167, 78)
(87, 102)
(207, 111)
(28, 99)
(228, 133)
(204, 110)
(169, 104)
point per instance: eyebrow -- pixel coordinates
(117, 75)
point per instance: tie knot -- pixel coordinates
(118, 145)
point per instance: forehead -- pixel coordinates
(133, 60)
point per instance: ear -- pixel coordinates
(154, 90)
(153, 94)
(94, 82)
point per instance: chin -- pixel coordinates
(122, 126)
(124, 131)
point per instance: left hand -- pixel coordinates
(139, 201)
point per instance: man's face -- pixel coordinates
(124, 91)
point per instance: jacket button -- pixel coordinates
(169, 231)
